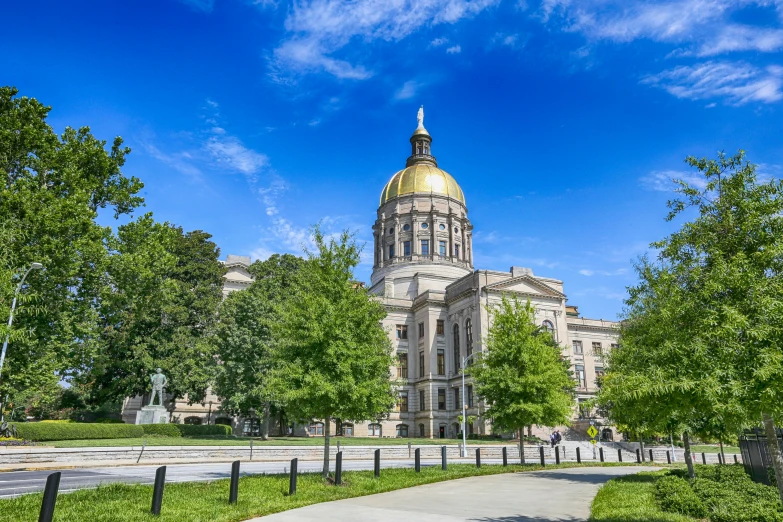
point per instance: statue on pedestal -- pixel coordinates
(159, 383)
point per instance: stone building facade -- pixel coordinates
(437, 304)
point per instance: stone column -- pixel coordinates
(396, 236)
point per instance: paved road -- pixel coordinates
(13, 483)
(562, 495)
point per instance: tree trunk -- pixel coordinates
(641, 447)
(688, 457)
(530, 431)
(265, 422)
(522, 445)
(774, 452)
(722, 454)
(327, 436)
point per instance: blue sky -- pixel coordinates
(562, 120)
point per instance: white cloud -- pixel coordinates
(456, 49)
(736, 82)
(437, 42)
(320, 29)
(586, 272)
(230, 152)
(408, 90)
(506, 40)
(610, 273)
(663, 180)
(180, 161)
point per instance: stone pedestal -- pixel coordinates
(152, 415)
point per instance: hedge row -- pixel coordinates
(44, 431)
(720, 494)
(186, 430)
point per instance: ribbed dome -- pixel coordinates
(422, 178)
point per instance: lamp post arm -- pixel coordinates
(11, 319)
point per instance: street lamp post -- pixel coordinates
(33, 266)
(465, 407)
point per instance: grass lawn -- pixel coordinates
(258, 495)
(631, 499)
(277, 441)
(709, 448)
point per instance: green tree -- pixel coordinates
(522, 374)
(244, 340)
(159, 310)
(333, 358)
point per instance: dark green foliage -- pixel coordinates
(674, 494)
(186, 430)
(162, 430)
(44, 431)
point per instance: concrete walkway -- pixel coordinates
(562, 495)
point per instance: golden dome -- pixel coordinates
(422, 178)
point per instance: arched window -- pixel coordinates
(347, 429)
(421, 430)
(402, 430)
(456, 349)
(193, 420)
(469, 337)
(548, 326)
(374, 430)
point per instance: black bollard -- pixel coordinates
(157, 490)
(735, 459)
(703, 458)
(377, 466)
(601, 454)
(719, 461)
(668, 457)
(50, 497)
(564, 454)
(233, 491)
(443, 458)
(338, 469)
(557, 454)
(292, 478)
(619, 455)
(505, 456)
(578, 456)
(418, 460)
(651, 457)
(478, 457)
(638, 456)
(541, 454)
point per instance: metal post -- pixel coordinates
(505, 456)
(292, 477)
(719, 461)
(601, 453)
(638, 456)
(735, 459)
(143, 445)
(338, 469)
(478, 457)
(409, 450)
(564, 454)
(578, 456)
(619, 455)
(251, 449)
(338, 446)
(651, 456)
(33, 266)
(50, 497)
(541, 454)
(668, 457)
(157, 490)
(417, 464)
(443, 458)
(703, 458)
(233, 491)
(377, 466)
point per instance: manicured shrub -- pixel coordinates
(45, 431)
(675, 495)
(162, 430)
(196, 430)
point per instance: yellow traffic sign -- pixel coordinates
(592, 431)
(592, 441)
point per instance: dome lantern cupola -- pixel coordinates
(421, 144)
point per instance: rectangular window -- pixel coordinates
(598, 351)
(614, 345)
(456, 250)
(441, 398)
(406, 248)
(421, 400)
(439, 327)
(469, 393)
(599, 372)
(441, 362)
(577, 347)
(442, 248)
(391, 251)
(404, 402)
(425, 247)
(402, 430)
(421, 364)
(402, 331)
(421, 330)
(457, 405)
(580, 375)
(402, 371)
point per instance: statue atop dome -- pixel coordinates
(420, 117)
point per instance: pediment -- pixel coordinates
(238, 273)
(525, 285)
